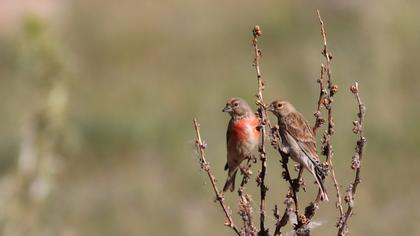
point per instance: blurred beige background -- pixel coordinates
(97, 100)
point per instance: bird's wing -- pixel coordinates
(229, 137)
(229, 131)
(299, 129)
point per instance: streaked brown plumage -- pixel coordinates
(242, 137)
(298, 140)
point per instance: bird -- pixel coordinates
(242, 137)
(298, 141)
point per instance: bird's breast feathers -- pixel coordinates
(246, 129)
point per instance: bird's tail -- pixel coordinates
(320, 174)
(230, 182)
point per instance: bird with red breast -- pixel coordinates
(242, 137)
(298, 141)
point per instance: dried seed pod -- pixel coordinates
(302, 219)
(257, 31)
(334, 89)
(355, 163)
(354, 88)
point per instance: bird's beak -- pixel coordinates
(270, 107)
(227, 109)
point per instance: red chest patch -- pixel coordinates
(246, 128)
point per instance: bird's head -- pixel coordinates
(281, 108)
(237, 107)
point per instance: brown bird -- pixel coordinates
(242, 137)
(298, 141)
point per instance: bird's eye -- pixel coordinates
(236, 104)
(279, 105)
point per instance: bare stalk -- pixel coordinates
(356, 161)
(245, 211)
(262, 112)
(281, 222)
(245, 207)
(294, 184)
(326, 99)
(206, 167)
(319, 121)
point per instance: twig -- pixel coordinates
(245, 207)
(245, 211)
(294, 186)
(319, 121)
(206, 167)
(292, 182)
(256, 32)
(281, 222)
(327, 100)
(356, 161)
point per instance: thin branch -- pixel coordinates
(292, 182)
(245, 211)
(327, 101)
(337, 189)
(245, 207)
(206, 167)
(356, 161)
(281, 222)
(319, 121)
(256, 32)
(246, 174)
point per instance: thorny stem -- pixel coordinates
(206, 167)
(327, 99)
(356, 162)
(256, 32)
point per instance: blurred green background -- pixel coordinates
(97, 100)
